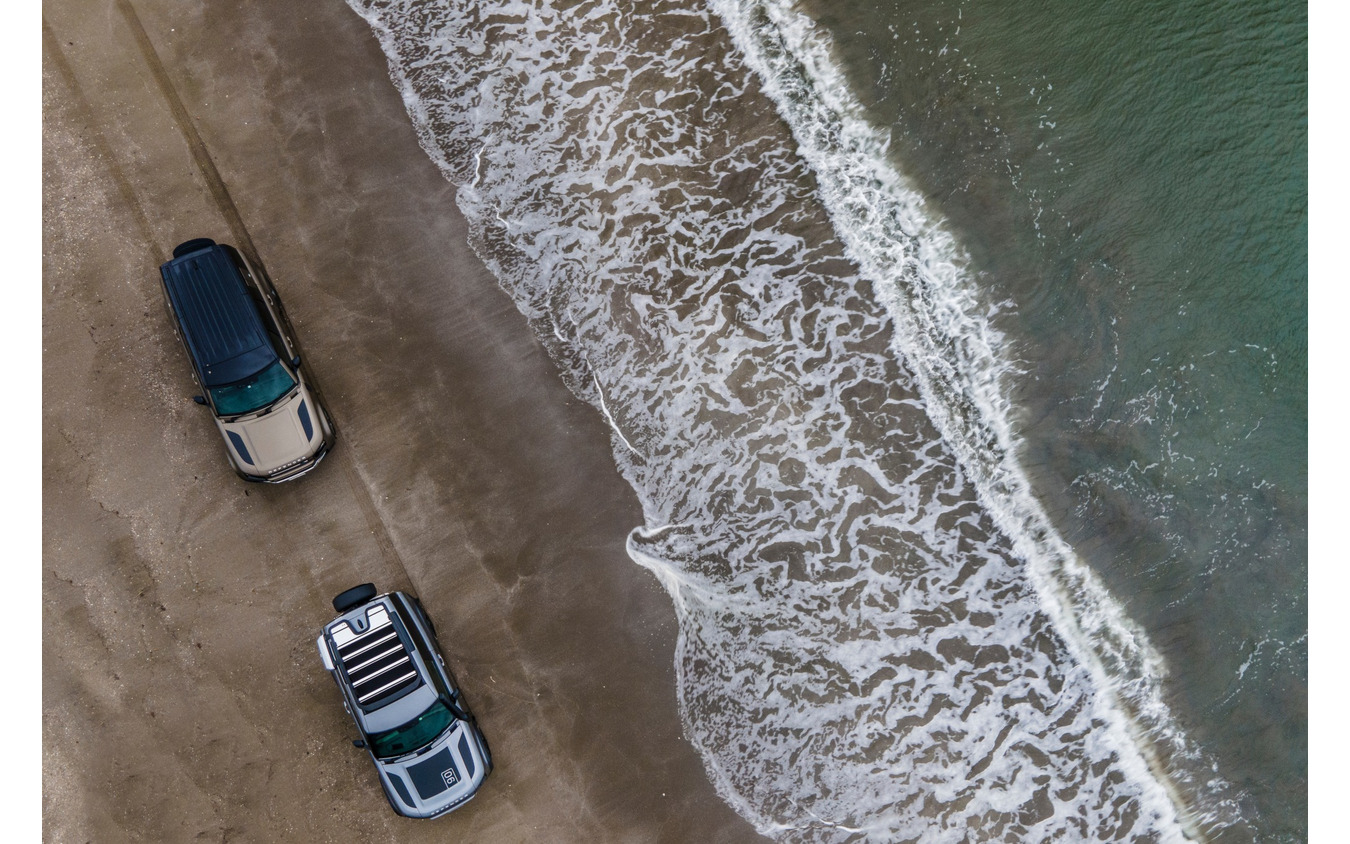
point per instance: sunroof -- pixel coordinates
(376, 661)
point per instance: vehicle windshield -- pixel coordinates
(414, 734)
(253, 393)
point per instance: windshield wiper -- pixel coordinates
(267, 408)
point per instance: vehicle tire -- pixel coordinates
(390, 798)
(487, 753)
(354, 597)
(192, 246)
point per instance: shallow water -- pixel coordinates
(823, 391)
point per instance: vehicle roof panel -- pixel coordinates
(220, 323)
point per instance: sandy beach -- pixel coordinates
(182, 695)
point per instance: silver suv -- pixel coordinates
(229, 317)
(426, 745)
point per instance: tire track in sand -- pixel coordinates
(220, 193)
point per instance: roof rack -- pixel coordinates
(376, 661)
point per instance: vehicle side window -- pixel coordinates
(269, 322)
(428, 652)
(274, 335)
(178, 332)
(273, 331)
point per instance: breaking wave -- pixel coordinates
(881, 636)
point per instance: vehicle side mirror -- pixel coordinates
(199, 399)
(295, 362)
(358, 743)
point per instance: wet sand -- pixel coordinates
(182, 695)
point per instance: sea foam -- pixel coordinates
(881, 638)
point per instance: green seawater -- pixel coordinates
(1130, 180)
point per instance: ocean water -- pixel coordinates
(957, 355)
(1134, 178)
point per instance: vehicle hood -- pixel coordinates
(437, 778)
(286, 434)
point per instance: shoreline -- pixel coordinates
(182, 696)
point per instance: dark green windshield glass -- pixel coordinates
(414, 734)
(255, 393)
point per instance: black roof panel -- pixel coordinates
(220, 323)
